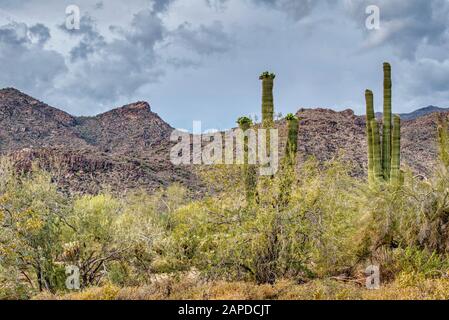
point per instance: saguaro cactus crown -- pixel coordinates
(383, 156)
(267, 99)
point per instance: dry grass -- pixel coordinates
(406, 287)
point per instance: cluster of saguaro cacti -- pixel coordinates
(245, 123)
(249, 170)
(384, 157)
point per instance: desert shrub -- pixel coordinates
(403, 228)
(89, 241)
(32, 213)
(326, 224)
(145, 225)
(330, 201)
(312, 234)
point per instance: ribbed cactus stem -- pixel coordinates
(369, 132)
(292, 138)
(377, 157)
(249, 170)
(386, 132)
(395, 177)
(443, 140)
(267, 99)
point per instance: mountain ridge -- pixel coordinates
(128, 147)
(124, 148)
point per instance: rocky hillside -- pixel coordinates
(128, 147)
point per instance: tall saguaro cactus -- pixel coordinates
(386, 131)
(267, 99)
(249, 170)
(384, 156)
(370, 116)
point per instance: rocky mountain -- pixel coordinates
(128, 147)
(418, 113)
(125, 148)
(422, 112)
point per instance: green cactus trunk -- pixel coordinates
(267, 99)
(249, 170)
(395, 177)
(377, 157)
(292, 139)
(386, 132)
(443, 140)
(287, 172)
(267, 106)
(369, 132)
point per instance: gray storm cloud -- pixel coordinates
(145, 50)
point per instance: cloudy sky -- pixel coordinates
(200, 59)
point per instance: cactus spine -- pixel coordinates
(249, 170)
(267, 99)
(386, 132)
(369, 132)
(384, 157)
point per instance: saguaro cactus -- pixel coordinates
(267, 99)
(377, 157)
(287, 173)
(386, 131)
(443, 139)
(292, 138)
(369, 132)
(249, 170)
(384, 157)
(395, 176)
